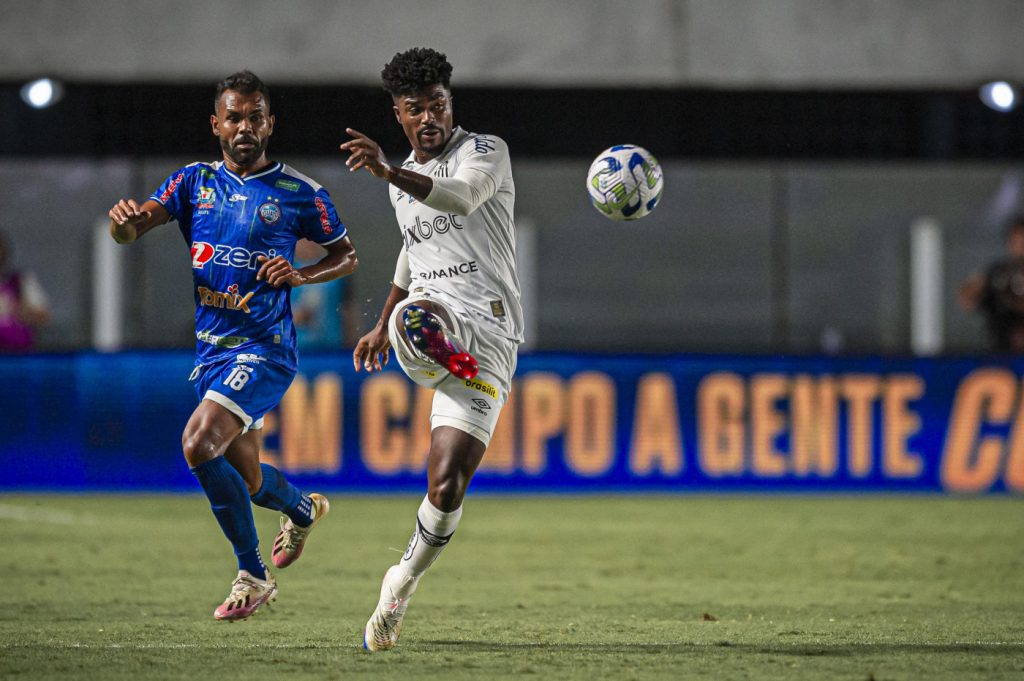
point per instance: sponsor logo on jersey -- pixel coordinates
(483, 386)
(423, 230)
(270, 213)
(452, 271)
(249, 357)
(229, 300)
(171, 187)
(237, 197)
(287, 184)
(220, 341)
(325, 221)
(483, 145)
(228, 256)
(201, 254)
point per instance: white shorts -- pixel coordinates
(471, 406)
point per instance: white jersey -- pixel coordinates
(464, 247)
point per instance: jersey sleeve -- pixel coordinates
(175, 194)
(487, 154)
(319, 221)
(483, 166)
(403, 275)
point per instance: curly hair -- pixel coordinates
(244, 83)
(415, 69)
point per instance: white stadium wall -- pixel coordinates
(734, 43)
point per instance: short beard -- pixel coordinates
(243, 158)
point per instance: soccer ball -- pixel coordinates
(625, 182)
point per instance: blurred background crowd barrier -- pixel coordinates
(573, 423)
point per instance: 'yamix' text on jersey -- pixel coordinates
(229, 221)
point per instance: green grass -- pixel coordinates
(118, 587)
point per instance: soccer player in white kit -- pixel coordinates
(453, 317)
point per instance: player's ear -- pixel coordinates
(398, 114)
(215, 124)
(270, 128)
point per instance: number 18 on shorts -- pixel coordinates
(246, 385)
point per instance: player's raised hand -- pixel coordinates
(278, 271)
(371, 351)
(366, 154)
(128, 213)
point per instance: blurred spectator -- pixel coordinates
(998, 294)
(320, 311)
(23, 305)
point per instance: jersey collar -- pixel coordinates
(272, 168)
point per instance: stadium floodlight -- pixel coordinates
(999, 95)
(42, 93)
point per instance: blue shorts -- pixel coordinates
(247, 385)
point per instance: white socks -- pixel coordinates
(433, 530)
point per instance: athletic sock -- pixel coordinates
(434, 529)
(229, 500)
(280, 495)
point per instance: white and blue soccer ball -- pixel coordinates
(625, 182)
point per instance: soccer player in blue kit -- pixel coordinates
(242, 217)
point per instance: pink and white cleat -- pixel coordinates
(290, 540)
(247, 594)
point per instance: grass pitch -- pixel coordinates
(118, 587)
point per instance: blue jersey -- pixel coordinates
(229, 221)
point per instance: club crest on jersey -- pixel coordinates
(206, 198)
(270, 213)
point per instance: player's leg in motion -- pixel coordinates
(454, 457)
(207, 436)
(269, 488)
(423, 327)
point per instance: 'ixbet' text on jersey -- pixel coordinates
(469, 257)
(230, 222)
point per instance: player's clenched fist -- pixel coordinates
(366, 154)
(278, 271)
(128, 213)
(125, 219)
(369, 347)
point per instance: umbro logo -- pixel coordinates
(481, 403)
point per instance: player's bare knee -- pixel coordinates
(198, 446)
(446, 495)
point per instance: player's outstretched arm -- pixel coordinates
(367, 154)
(371, 351)
(129, 221)
(340, 261)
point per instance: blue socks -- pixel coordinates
(229, 499)
(280, 495)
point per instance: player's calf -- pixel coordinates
(427, 334)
